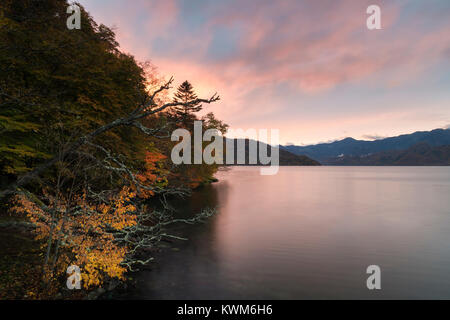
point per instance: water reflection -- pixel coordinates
(311, 233)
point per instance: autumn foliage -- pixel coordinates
(80, 231)
(85, 238)
(94, 206)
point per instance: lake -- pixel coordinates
(311, 233)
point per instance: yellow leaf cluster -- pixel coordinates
(85, 236)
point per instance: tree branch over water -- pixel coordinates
(143, 111)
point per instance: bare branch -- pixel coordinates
(131, 119)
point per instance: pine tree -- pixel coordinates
(184, 94)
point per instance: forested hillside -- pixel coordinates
(84, 149)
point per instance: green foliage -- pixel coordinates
(51, 75)
(57, 84)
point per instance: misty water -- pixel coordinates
(311, 232)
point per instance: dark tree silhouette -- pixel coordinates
(185, 93)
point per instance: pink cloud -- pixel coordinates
(310, 47)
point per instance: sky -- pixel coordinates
(310, 68)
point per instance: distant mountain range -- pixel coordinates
(418, 155)
(418, 148)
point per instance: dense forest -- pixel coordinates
(84, 153)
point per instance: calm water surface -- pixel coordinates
(311, 232)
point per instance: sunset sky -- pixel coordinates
(311, 69)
